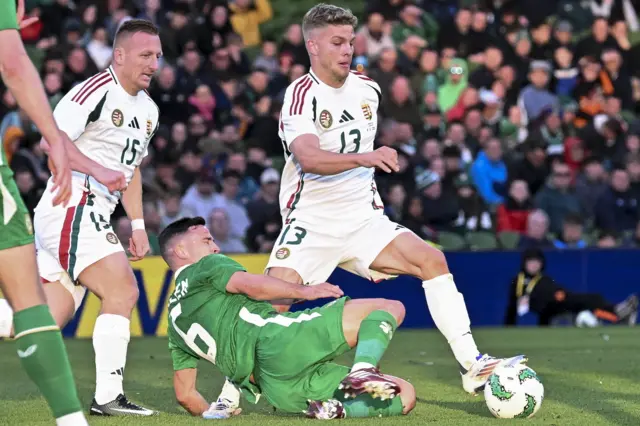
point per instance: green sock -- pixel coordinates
(374, 336)
(366, 406)
(44, 358)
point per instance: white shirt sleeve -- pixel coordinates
(299, 110)
(73, 111)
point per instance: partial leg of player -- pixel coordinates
(40, 345)
(118, 293)
(409, 255)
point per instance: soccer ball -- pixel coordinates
(513, 391)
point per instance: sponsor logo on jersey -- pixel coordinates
(282, 253)
(366, 110)
(149, 128)
(326, 120)
(117, 118)
(111, 237)
(28, 223)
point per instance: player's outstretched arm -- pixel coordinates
(264, 287)
(313, 159)
(184, 385)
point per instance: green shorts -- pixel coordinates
(294, 354)
(18, 230)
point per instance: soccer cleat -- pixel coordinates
(474, 379)
(120, 406)
(222, 409)
(371, 381)
(325, 410)
(627, 310)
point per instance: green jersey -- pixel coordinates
(206, 322)
(8, 21)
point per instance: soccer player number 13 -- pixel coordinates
(355, 138)
(130, 146)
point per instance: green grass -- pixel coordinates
(589, 380)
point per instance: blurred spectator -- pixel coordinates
(533, 167)
(246, 17)
(558, 198)
(226, 200)
(473, 214)
(607, 239)
(376, 35)
(618, 208)
(536, 97)
(439, 208)
(590, 184)
(454, 85)
(170, 209)
(536, 233)
(489, 173)
(266, 203)
(221, 232)
(395, 200)
(572, 233)
(514, 213)
(200, 199)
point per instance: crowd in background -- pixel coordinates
(515, 122)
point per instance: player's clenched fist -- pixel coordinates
(321, 291)
(384, 158)
(113, 180)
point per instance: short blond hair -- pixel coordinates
(322, 15)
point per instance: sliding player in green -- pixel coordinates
(39, 341)
(221, 314)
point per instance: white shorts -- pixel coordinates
(314, 254)
(70, 239)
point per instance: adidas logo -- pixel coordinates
(345, 116)
(118, 372)
(134, 123)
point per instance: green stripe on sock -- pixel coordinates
(44, 358)
(375, 333)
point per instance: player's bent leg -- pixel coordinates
(407, 254)
(40, 345)
(288, 275)
(369, 324)
(60, 302)
(365, 405)
(111, 279)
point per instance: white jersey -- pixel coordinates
(345, 121)
(109, 126)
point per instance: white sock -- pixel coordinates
(361, 366)
(449, 313)
(73, 419)
(230, 392)
(110, 339)
(6, 318)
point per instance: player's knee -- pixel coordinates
(433, 263)
(123, 297)
(395, 308)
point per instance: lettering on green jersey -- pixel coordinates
(181, 291)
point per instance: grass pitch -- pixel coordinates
(590, 376)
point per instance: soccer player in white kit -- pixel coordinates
(111, 119)
(332, 212)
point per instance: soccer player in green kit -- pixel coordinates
(39, 341)
(221, 314)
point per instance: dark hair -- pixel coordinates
(133, 26)
(176, 229)
(573, 219)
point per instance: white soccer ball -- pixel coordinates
(514, 391)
